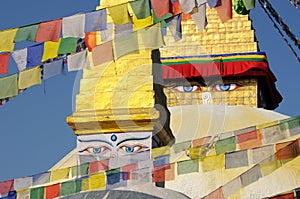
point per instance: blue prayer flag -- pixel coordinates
(95, 21)
(34, 55)
(53, 68)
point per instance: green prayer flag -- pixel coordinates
(112, 171)
(249, 4)
(187, 166)
(80, 170)
(26, 33)
(181, 146)
(126, 44)
(67, 45)
(37, 193)
(141, 8)
(166, 16)
(8, 86)
(225, 145)
(71, 187)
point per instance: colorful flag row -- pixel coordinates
(96, 176)
(287, 195)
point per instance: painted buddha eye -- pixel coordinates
(131, 149)
(225, 87)
(96, 150)
(186, 89)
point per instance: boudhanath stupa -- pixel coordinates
(175, 101)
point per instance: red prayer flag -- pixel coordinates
(176, 8)
(128, 168)
(159, 174)
(49, 31)
(6, 187)
(101, 165)
(170, 173)
(103, 53)
(249, 139)
(286, 150)
(160, 7)
(200, 141)
(285, 196)
(225, 10)
(4, 63)
(218, 193)
(90, 40)
(52, 191)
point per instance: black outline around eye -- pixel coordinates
(230, 84)
(86, 149)
(141, 145)
(176, 88)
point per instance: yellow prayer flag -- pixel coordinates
(30, 77)
(269, 167)
(262, 126)
(7, 40)
(59, 174)
(211, 163)
(142, 23)
(50, 50)
(97, 181)
(109, 3)
(85, 184)
(119, 14)
(23, 193)
(156, 152)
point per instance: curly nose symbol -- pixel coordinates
(206, 97)
(114, 155)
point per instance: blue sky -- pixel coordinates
(34, 134)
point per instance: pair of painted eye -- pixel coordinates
(125, 148)
(218, 87)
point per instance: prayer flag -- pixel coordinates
(249, 140)
(225, 145)
(294, 126)
(106, 35)
(80, 170)
(85, 184)
(59, 174)
(49, 31)
(52, 69)
(236, 159)
(176, 8)
(50, 50)
(225, 10)
(245, 130)
(4, 63)
(159, 174)
(152, 37)
(156, 152)
(97, 181)
(183, 146)
(162, 160)
(273, 134)
(73, 26)
(77, 61)
(26, 33)
(232, 186)
(269, 167)
(285, 196)
(41, 178)
(211, 163)
(141, 176)
(174, 26)
(142, 23)
(170, 172)
(52, 191)
(251, 175)
(37, 193)
(113, 176)
(201, 141)
(187, 5)
(20, 57)
(101, 165)
(103, 53)
(119, 14)
(70, 187)
(128, 169)
(141, 8)
(160, 7)
(123, 29)
(126, 44)
(10, 195)
(187, 166)
(8, 86)
(67, 45)
(90, 40)
(262, 154)
(95, 20)
(7, 40)
(22, 183)
(199, 17)
(34, 55)
(249, 4)
(212, 3)
(218, 193)
(30, 77)
(6, 187)
(24, 193)
(287, 150)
